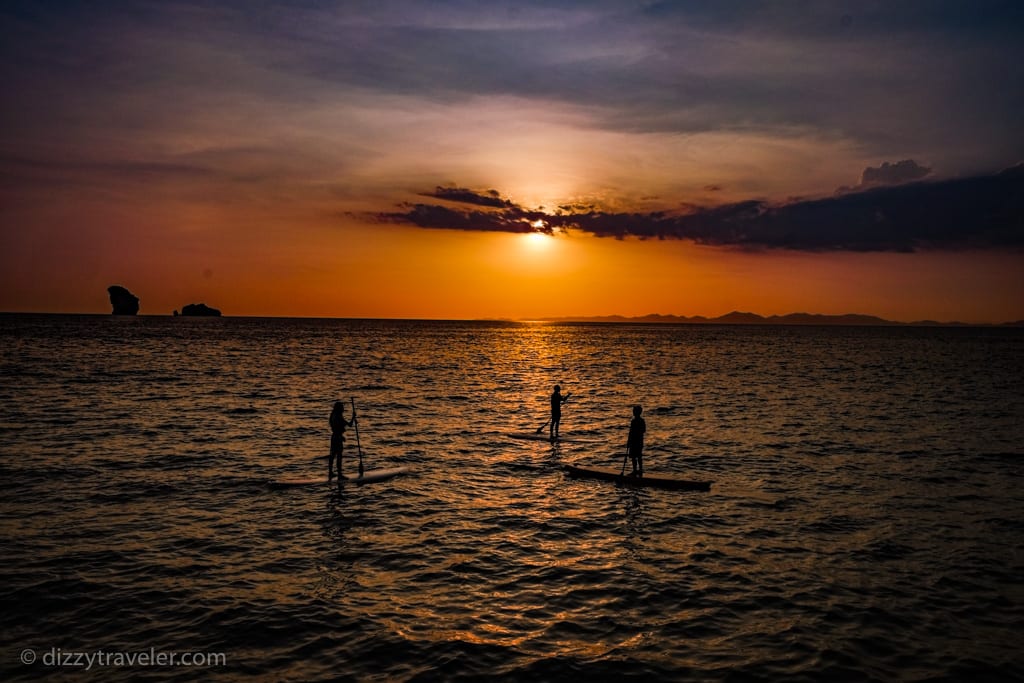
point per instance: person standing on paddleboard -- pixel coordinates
(635, 442)
(556, 411)
(338, 424)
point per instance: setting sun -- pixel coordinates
(537, 240)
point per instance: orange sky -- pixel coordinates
(353, 270)
(265, 163)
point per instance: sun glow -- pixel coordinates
(537, 240)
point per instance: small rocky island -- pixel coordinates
(198, 310)
(122, 301)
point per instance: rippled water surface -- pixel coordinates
(865, 520)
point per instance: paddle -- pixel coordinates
(358, 445)
(624, 459)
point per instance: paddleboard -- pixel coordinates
(532, 436)
(648, 480)
(369, 477)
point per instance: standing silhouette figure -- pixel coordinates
(338, 425)
(635, 442)
(556, 411)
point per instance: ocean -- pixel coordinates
(866, 520)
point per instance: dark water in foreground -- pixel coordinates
(866, 520)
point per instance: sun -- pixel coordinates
(537, 240)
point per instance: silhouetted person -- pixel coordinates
(556, 410)
(635, 442)
(338, 424)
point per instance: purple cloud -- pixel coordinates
(982, 212)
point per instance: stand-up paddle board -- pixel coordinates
(648, 480)
(532, 436)
(368, 477)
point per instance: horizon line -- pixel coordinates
(735, 317)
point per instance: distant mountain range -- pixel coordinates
(740, 318)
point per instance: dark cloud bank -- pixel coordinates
(982, 212)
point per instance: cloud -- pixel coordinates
(982, 212)
(459, 194)
(508, 218)
(896, 173)
(905, 171)
(869, 76)
(645, 67)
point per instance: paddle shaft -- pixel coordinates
(359, 447)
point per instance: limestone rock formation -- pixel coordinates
(122, 301)
(199, 309)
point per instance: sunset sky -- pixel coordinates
(515, 159)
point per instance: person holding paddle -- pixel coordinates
(338, 425)
(556, 411)
(635, 441)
